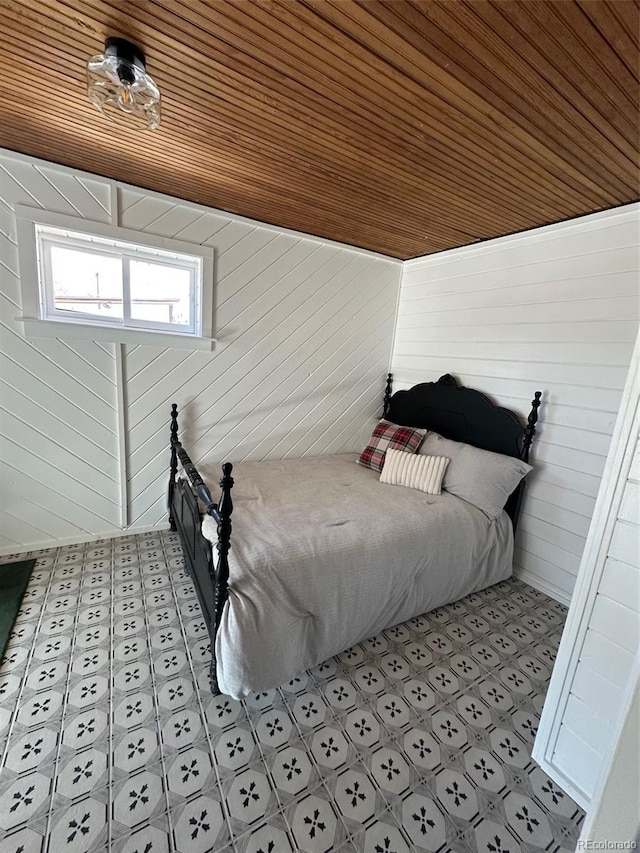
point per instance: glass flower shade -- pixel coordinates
(117, 83)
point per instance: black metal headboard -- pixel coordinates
(463, 414)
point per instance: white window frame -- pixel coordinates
(41, 318)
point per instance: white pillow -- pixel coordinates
(415, 472)
(482, 478)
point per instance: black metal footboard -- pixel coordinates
(210, 575)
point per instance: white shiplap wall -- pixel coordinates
(304, 336)
(58, 457)
(555, 309)
(304, 331)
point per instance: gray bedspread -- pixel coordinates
(324, 556)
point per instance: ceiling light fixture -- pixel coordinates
(117, 82)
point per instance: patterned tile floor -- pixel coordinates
(418, 739)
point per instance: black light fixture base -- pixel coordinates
(126, 52)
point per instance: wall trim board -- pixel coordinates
(123, 467)
(121, 403)
(542, 585)
(114, 203)
(395, 330)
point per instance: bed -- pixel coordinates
(324, 555)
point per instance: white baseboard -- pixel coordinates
(77, 540)
(543, 586)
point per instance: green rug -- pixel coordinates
(14, 578)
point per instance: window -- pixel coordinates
(95, 280)
(103, 283)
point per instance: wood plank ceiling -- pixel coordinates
(407, 127)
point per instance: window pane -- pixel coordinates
(160, 294)
(86, 282)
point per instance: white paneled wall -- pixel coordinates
(304, 331)
(555, 309)
(58, 461)
(304, 335)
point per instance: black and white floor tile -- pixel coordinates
(416, 740)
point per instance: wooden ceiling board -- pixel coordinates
(468, 153)
(459, 96)
(632, 32)
(349, 151)
(616, 107)
(402, 126)
(365, 127)
(447, 106)
(148, 174)
(224, 108)
(433, 231)
(562, 96)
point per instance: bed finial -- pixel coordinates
(530, 429)
(225, 507)
(173, 465)
(174, 422)
(387, 396)
(448, 379)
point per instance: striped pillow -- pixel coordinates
(386, 435)
(415, 472)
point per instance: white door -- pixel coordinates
(590, 682)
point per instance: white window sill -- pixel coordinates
(35, 328)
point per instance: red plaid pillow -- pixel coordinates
(386, 435)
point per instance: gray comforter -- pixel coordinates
(324, 556)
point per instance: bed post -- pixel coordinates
(173, 465)
(514, 504)
(221, 586)
(530, 429)
(387, 396)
